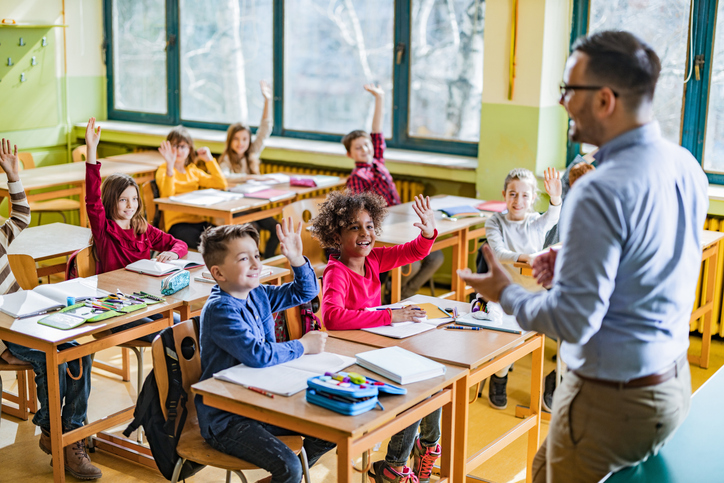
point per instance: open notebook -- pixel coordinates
(47, 297)
(288, 378)
(400, 330)
(159, 269)
(206, 197)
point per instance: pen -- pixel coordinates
(260, 391)
(461, 327)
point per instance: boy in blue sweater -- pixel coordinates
(237, 327)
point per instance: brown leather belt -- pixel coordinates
(650, 380)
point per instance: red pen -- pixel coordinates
(260, 391)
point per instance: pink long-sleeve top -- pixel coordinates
(115, 246)
(347, 294)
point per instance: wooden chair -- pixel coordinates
(26, 398)
(25, 270)
(304, 211)
(59, 205)
(149, 191)
(191, 445)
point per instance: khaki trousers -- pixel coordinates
(597, 429)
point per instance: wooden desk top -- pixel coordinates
(297, 408)
(152, 157)
(71, 173)
(465, 348)
(234, 207)
(708, 238)
(48, 241)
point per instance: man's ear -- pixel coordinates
(216, 273)
(605, 102)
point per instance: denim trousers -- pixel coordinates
(145, 320)
(189, 233)
(257, 443)
(400, 445)
(73, 393)
(270, 225)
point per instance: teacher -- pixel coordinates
(622, 285)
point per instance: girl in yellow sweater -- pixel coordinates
(181, 175)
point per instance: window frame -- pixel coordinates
(398, 138)
(696, 92)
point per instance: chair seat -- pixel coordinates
(61, 204)
(5, 366)
(193, 446)
(135, 343)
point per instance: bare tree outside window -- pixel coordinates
(226, 49)
(331, 49)
(714, 140)
(664, 24)
(446, 69)
(139, 56)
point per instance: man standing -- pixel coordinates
(622, 286)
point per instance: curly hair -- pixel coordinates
(340, 210)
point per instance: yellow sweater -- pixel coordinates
(180, 183)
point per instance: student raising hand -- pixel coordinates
(266, 90)
(169, 153)
(427, 216)
(553, 185)
(9, 160)
(290, 241)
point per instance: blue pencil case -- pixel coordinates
(347, 395)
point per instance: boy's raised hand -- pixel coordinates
(266, 90)
(374, 89)
(9, 160)
(553, 185)
(92, 135)
(421, 205)
(290, 241)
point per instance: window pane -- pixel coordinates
(446, 84)
(663, 24)
(714, 140)
(139, 55)
(226, 49)
(331, 50)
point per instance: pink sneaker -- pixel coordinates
(423, 460)
(381, 472)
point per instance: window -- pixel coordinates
(682, 32)
(199, 63)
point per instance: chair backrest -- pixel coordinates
(25, 271)
(80, 153)
(304, 211)
(186, 342)
(81, 263)
(149, 191)
(26, 159)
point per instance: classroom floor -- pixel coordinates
(22, 460)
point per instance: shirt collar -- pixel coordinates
(648, 132)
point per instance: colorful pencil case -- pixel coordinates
(347, 393)
(72, 316)
(175, 282)
(123, 306)
(302, 181)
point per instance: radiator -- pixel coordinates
(712, 223)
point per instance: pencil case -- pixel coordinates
(349, 394)
(123, 306)
(302, 181)
(175, 282)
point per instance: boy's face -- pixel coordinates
(358, 239)
(239, 273)
(519, 197)
(128, 203)
(361, 150)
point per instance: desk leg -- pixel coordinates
(460, 431)
(455, 281)
(711, 275)
(56, 425)
(344, 465)
(536, 385)
(396, 275)
(462, 263)
(447, 438)
(83, 213)
(184, 312)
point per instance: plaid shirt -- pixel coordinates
(374, 177)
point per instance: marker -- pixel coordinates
(260, 391)
(460, 327)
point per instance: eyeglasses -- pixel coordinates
(568, 87)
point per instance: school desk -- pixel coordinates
(50, 241)
(353, 435)
(694, 452)
(483, 353)
(397, 229)
(69, 180)
(29, 333)
(234, 212)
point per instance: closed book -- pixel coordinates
(457, 212)
(271, 194)
(400, 365)
(497, 206)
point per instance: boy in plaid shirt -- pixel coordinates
(371, 174)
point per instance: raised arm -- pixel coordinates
(96, 211)
(20, 209)
(379, 114)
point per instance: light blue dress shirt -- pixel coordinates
(624, 279)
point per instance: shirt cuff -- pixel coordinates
(15, 187)
(508, 297)
(302, 268)
(297, 348)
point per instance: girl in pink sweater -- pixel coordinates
(350, 223)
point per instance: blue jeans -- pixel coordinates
(73, 394)
(256, 442)
(145, 320)
(400, 445)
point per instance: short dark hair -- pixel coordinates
(214, 243)
(339, 210)
(623, 62)
(347, 140)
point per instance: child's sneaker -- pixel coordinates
(381, 472)
(423, 460)
(549, 388)
(498, 394)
